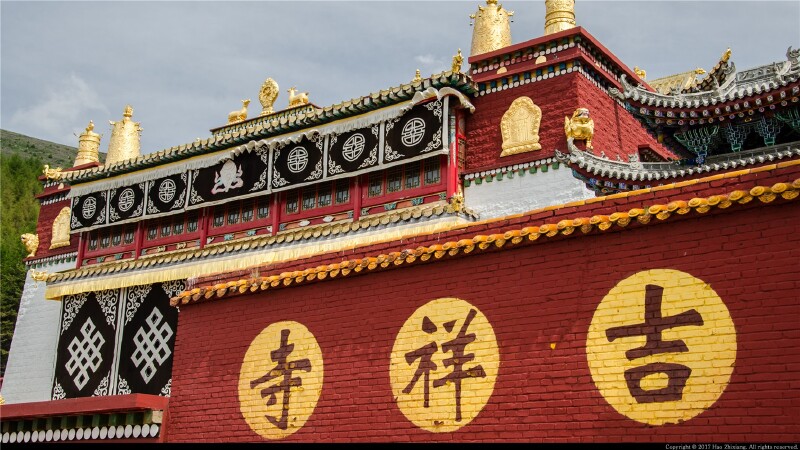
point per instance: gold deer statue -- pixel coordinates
(296, 99)
(240, 115)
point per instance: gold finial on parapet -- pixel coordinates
(239, 115)
(124, 141)
(492, 28)
(559, 15)
(699, 71)
(51, 174)
(640, 72)
(39, 275)
(417, 77)
(88, 147)
(267, 96)
(31, 243)
(457, 61)
(727, 55)
(296, 99)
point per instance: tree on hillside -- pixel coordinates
(19, 211)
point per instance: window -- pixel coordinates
(247, 211)
(152, 232)
(263, 207)
(219, 216)
(93, 241)
(166, 228)
(177, 225)
(191, 222)
(104, 240)
(116, 238)
(309, 197)
(342, 191)
(324, 195)
(408, 176)
(291, 202)
(130, 233)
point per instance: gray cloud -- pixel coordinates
(184, 65)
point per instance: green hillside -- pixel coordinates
(21, 161)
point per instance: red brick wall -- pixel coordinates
(616, 131)
(534, 297)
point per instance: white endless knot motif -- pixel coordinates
(152, 345)
(297, 159)
(413, 132)
(89, 207)
(353, 147)
(166, 190)
(85, 354)
(126, 199)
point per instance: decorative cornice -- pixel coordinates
(485, 243)
(51, 260)
(277, 126)
(633, 170)
(508, 172)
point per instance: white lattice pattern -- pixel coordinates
(85, 356)
(152, 345)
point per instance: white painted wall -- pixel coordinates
(525, 193)
(32, 357)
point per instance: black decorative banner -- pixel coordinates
(353, 151)
(298, 163)
(415, 133)
(86, 346)
(149, 325)
(167, 194)
(88, 210)
(126, 202)
(244, 174)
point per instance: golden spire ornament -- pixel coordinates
(457, 61)
(267, 96)
(417, 77)
(559, 16)
(124, 141)
(492, 28)
(88, 147)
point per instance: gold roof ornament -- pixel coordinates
(641, 73)
(31, 243)
(240, 115)
(457, 61)
(580, 127)
(727, 55)
(417, 77)
(124, 141)
(59, 236)
(88, 147)
(296, 99)
(492, 28)
(267, 96)
(39, 275)
(51, 174)
(559, 15)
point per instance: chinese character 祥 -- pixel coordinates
(283, 368)
(652, 328)
(457, 347)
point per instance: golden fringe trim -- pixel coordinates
(788, 191)
(234, 262)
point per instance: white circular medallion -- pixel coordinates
(413, 132)
(126, 199)
(166, 190)
(353, 147)
(297, 159)
(89, 207)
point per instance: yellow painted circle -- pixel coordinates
(709, 357)
(281, 348)
(424, 341)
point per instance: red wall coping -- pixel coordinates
(84, 406)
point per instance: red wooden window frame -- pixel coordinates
(252, 206)
(119, 231)
(387, 178)
(171, 221)
(320, 190)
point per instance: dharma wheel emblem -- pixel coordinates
(166, 190)
(126, 199)
(413, 132)
(89, 208)
(353, 147)
(297, 159)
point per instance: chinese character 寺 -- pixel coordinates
(654, 324)
(282, 368)
(457, 346)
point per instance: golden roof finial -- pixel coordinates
(727, 55)
(124, 141)
(559, 15)
(267, 96)
(88, 147)
(699, 71)
(640, 72)
(492, 28)
(417, 77)
(457, 61)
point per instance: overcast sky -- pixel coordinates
(184, 66)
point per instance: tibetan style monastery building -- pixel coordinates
(538, 245)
